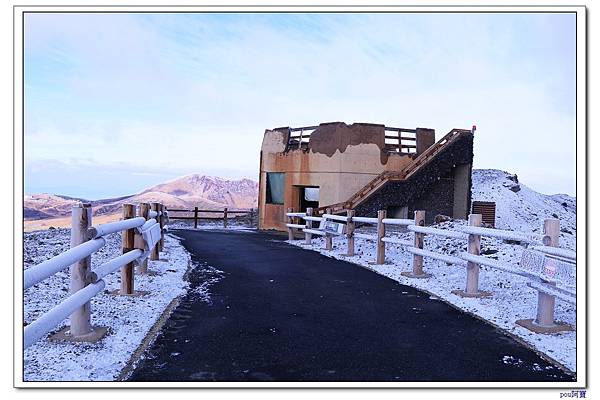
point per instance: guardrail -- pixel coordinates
(196, 218)
(142, 237)
(552, 273)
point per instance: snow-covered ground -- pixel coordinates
(525, 209)
(129, 319)
(512, 299)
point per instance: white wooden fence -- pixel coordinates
(142, 237)
(549, 269)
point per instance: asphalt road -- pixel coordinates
(280, 313)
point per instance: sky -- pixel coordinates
(115, 103)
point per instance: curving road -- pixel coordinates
(280, 313)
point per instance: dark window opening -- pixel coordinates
(275, 187)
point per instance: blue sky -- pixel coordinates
(117, 102)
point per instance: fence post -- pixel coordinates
(127, 244)
(290, 220)
(81, 221)
(143, 212)
(381, 214)
(196, 217)
(225, 217)
(417, 260)
(154, 253)
(474, 248)
(251, 217)
(544, 321)
(308, 236)
(328, 238)
(161, 220)
(545, 308)
(350, 233)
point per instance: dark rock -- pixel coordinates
(509, 241)
(513, 178)
(554, 215)
(486, 252)
(565, 230)
(441, 218)
(515, 188)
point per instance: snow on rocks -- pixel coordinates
(525, 209)
(129, 319)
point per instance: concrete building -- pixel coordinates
(365, 167)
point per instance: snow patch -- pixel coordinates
(129, 319)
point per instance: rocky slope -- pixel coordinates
(520, 208)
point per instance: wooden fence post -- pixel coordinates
(154, 253)
(128, 238)
(328, 238)
(381, 214)
(143, 212)
(545, 308)
(474, 248)
(417, 260)
(544, 321)
(350, 233)
(161, 220)
(81, 221)
(308, 236)
(225, 218)
(290, 220)
(196, 217)
(251, 217)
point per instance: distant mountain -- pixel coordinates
(222, 192)
(205, 192)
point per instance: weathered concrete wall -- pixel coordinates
(340, 160)
(462, 191)
(425, 138)
(274, 141)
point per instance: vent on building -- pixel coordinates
(487, 209)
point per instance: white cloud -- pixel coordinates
(205, 88)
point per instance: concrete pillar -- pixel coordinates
(425, 139)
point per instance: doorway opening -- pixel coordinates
(308, 197)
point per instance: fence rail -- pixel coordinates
(542, 276)
(142, 236)
(196, 217)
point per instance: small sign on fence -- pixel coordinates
(151, 236)
(550, 268)
(333, 227)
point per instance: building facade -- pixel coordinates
(366, 167)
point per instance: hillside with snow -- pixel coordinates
(520, 208)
